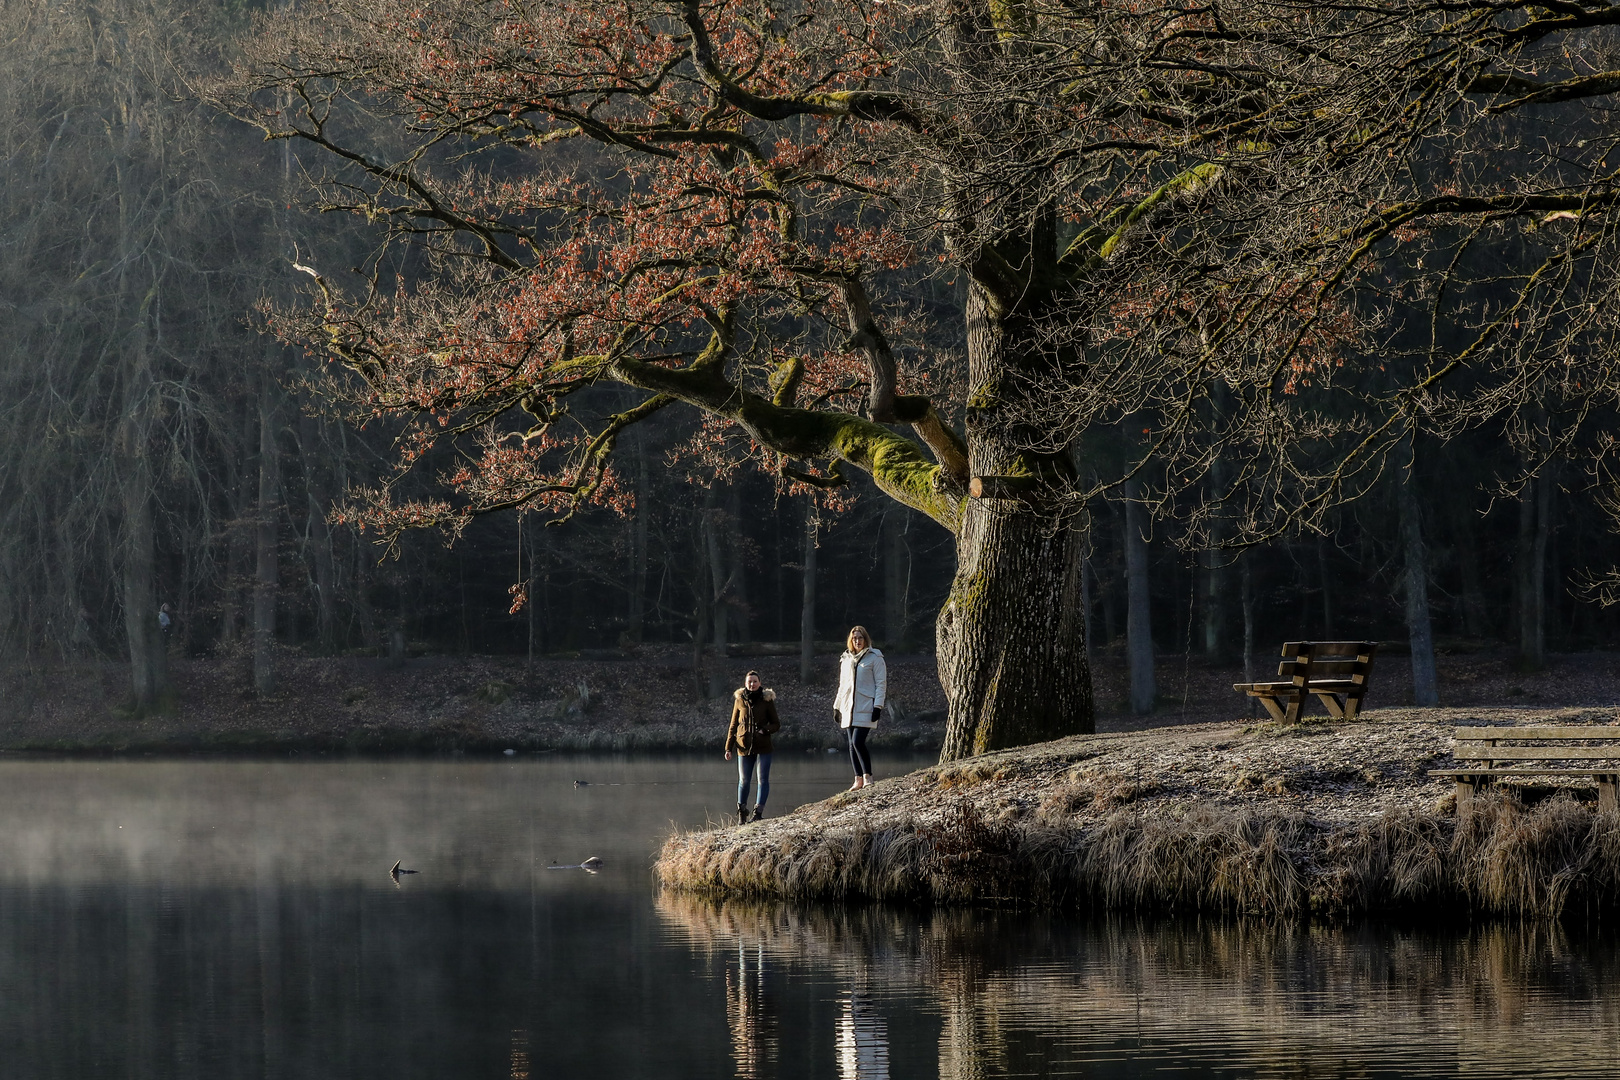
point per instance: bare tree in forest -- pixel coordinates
(124, 285)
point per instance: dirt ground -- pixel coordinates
(646, 700)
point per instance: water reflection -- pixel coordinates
(863, 1039)
(1031, 995)
(242, 925)
(750, 1015)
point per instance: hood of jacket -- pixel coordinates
(742, 691)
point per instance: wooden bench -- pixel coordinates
(1501, 752)
(1334, 671)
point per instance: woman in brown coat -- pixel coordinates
(753, 721)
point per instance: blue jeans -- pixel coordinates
(745, 775)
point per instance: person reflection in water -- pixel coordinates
(753, 721)
(750, 1016)
(863, 1040)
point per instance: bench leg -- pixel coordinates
(1467, 788)
(1607, 800)
(1332, 703)
(1352, 706)
(1271, 707)
(1295, 707)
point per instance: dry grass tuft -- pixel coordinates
(1501, 858)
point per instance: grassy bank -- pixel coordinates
(1326, 818)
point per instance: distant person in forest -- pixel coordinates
(165, 623)
(863, 689)
(753, 722)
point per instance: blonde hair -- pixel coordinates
(849, 642)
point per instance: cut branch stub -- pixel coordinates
(1020, 488)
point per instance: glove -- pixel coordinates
(877, 713)
(838, 718)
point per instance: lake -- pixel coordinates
(237, 919)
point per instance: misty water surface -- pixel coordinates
(237, 920)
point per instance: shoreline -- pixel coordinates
(1324, 818)
(612, 701)
(644, 701)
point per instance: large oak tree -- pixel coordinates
(1180, 218)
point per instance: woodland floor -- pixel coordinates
(642, 701)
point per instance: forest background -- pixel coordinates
(159, 448)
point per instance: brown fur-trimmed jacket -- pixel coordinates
(752, 723)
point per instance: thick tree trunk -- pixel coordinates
(266, 569)
(1138, 607)
(1012, 660)
(807, 612)
(1425, 688)
(1011, 655)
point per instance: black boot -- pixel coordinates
(742, 814)
(759, 812)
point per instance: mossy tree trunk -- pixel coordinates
(1011, 641)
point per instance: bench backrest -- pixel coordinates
(1305, 662)
(1566, 742)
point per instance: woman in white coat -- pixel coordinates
(863, 689)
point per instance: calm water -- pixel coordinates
(229, 920)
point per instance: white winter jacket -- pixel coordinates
(863, 685)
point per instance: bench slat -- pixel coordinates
(1537, 753)
(1332, 648)
(1334, 669)
(1524, 772)
(1337, 686)
(1594, 732)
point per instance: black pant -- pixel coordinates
(859, 756)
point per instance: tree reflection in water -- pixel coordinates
(1016, 994)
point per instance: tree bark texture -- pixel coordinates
(1425, 686)
(266, 568)
(1011, 656)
